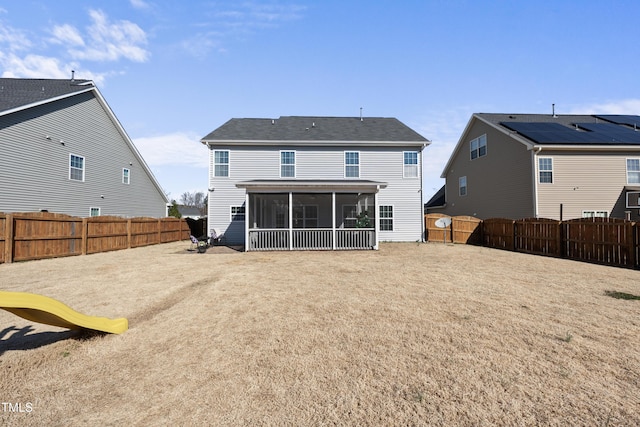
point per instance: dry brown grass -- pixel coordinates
(412, 334)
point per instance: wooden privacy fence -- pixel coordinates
(29, 236)
(609, 241)
(463, 229)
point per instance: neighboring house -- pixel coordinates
(544, 166)
(64, 151)
(189, 212)
(315, 182)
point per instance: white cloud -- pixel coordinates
(178, 148)
(624, 106)
(14, 39)
(139, 4)
(67, 34)
(112, 41)
(44, 67)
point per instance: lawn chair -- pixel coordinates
(216, 237)
(194, 243)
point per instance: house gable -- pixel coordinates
(41, 136)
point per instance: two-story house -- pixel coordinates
(315, 182)
(64, 151)
(544, 166)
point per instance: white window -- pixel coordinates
(352, 164)
(125, 175)
(76, 167)
(633, 171)
(305, 216)
(386, 218)
(94, 211)
(237, 213)
(410, 164)
(596, 214)
(462, 186)
(221, 163)
(545, 170)
(478, 147)
(287, 164)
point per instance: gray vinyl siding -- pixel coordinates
(584, 181)
(499, 184)
(34, 171)
(384, 164)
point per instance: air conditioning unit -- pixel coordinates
(633, 199)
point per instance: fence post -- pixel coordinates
(129, 233)
(159, 230)
(8, 242)
(513, 236)
(85, 235)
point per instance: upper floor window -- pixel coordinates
(76, 167)
(287, 164)
(478, 147)
(221, 163)
(462, 186)
(410, 164)
(352, 164)
(633, 171)
(125, 175)
(545, 170)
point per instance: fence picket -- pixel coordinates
(29, 236)
(608, 241)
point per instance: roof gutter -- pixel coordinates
(244, 142)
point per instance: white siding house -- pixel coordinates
(64, 151)
(315, 182)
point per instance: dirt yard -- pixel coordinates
(412, 334)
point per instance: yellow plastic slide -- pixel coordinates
(41, 309)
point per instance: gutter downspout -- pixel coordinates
(422, 227)
(534, 154)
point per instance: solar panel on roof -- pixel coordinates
(548, 133)
(621, 119)
(612, 132)
(589, 133)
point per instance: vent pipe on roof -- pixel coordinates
(553, 110)
(360, 113)
(73, 75)
(273, 122)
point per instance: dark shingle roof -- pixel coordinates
(570, 129)
(15, 93)
(308, 128)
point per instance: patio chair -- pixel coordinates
(216, 237)
(194, 243)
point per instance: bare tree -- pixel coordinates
(195, 199)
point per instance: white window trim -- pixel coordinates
(228, 164)
(344, 160)
(466, 186)
(84, 167)
(486, 147)
(417, 165)
(392, 218)
(626, 168)
(231, 214)
(128, 176)
(295, 163)
(539, 170)
(91, 211)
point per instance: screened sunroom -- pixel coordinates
(312, 215)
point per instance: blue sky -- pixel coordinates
(174, 71)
